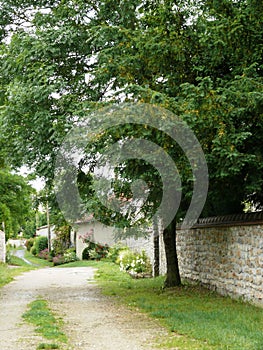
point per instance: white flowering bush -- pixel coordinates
(70, 256)
(133, 262)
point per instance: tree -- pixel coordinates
(15, 202)
(201, 61)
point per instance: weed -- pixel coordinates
(46, 324)
(47, 346)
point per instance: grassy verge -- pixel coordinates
(7, 273)
(202, 319)
(81, 263)
(16, 266)
(16, 261)
(46, 324)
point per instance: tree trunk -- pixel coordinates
(48, 229)
(156, 260)
(173, 278)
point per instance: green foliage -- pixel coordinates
(115, 250)
(62, 241)
(95, 251)
(8, 253)
(82, 263)
(201, 61)
(33, 250)
(47, 346)
(41, 219)
(70, 255)
(16, 261)
(15, 201)
(29, 228)
(29, 243)
(40, 244)
(133, 262)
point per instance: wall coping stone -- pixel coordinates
(253, 218)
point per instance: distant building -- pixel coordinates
(43, 231)
(2, 247)
(89, 228)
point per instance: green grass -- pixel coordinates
(81, 263)
(47, 346)
(16, 266)
(16, 261)
(40, 315)
(203, 319)
(7, 273)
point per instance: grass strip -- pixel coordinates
(203, 319)
(47, 346)
(8, 273)
(46, 324)
(16, 261)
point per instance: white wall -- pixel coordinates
(2, 246)
(101, 234)
(43, 231)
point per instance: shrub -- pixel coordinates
(41, 243)
(134, 262)
(33, 250)
(70, 256)
(115, 250)
(29, 243)
(98, 252)
(95, 251)
(44, 254)
(8, 254)
(62, 241)
(125, 259)
(58, 260)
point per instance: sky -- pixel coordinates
(38, 183)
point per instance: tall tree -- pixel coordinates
(15, 202)
(202, 61)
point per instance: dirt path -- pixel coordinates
(92, 321)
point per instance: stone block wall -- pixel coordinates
(226, 259)
(2, 247)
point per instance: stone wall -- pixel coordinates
(2, 247)
(228, 259)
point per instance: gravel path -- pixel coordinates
(92, 321)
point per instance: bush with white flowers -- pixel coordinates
(133, 262)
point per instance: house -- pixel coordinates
(99, 233)
(94, 230)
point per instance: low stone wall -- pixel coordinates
(227, 259)
(2, 247)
